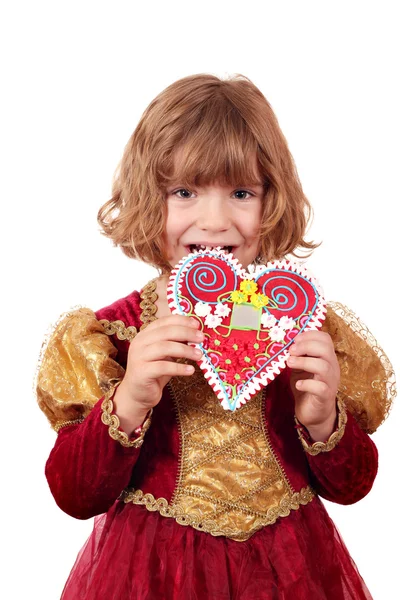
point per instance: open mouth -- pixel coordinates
(202, 247)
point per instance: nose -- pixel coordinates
(214, 214)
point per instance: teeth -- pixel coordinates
(202, 247)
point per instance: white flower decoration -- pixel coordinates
(277, 334)
(268, 320)
(202, 309)
(212, 321)
(287, 323)
(222, 310)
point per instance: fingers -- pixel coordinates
(313, 352)
(166, 369)
(313, 334)
(316, 366)
(318, 344)
(174, 320)
(170, 349)
(320, 389)
(178, 331)
(312, 348)
(153, 351)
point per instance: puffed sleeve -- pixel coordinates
(367, 381)
(343, 468)
(92, 459)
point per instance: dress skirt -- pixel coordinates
(134, 554)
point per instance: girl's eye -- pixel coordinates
(182, 190)
(243, 192)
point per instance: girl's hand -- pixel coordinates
(150, 366)
(314, 382)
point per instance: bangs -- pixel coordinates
(217, 148)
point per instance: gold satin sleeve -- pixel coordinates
(367, 381)
(76, 369)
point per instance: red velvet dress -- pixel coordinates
(137, 553)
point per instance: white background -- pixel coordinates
(76, 78)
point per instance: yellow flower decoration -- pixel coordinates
(259, 300)
(248, 286)
(239, 297)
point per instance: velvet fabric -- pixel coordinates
(136, 554)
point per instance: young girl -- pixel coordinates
(201, 502)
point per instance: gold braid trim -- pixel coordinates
(148, 304)
(60, 424)
(127, 333)
(113, 423)
(333, 440)
(118, 327)
(161, 505)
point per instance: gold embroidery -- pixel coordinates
(60, 424)
(333, 440)
(118, 327)
(148, 304)
(286, 504)
(113, 424)
(367, 381)
(228, 474)
(277, 459)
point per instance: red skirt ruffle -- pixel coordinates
(134, 554)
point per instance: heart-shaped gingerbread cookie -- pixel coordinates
(249, 318)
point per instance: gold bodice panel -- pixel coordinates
(229, 477)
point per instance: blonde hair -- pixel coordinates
(201, 130)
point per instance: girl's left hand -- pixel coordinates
(314, 382)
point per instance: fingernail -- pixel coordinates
(194, 321)
(291, 360)
(200, 335)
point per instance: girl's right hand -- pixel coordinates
(150, 364)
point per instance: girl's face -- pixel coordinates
(215, 215)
